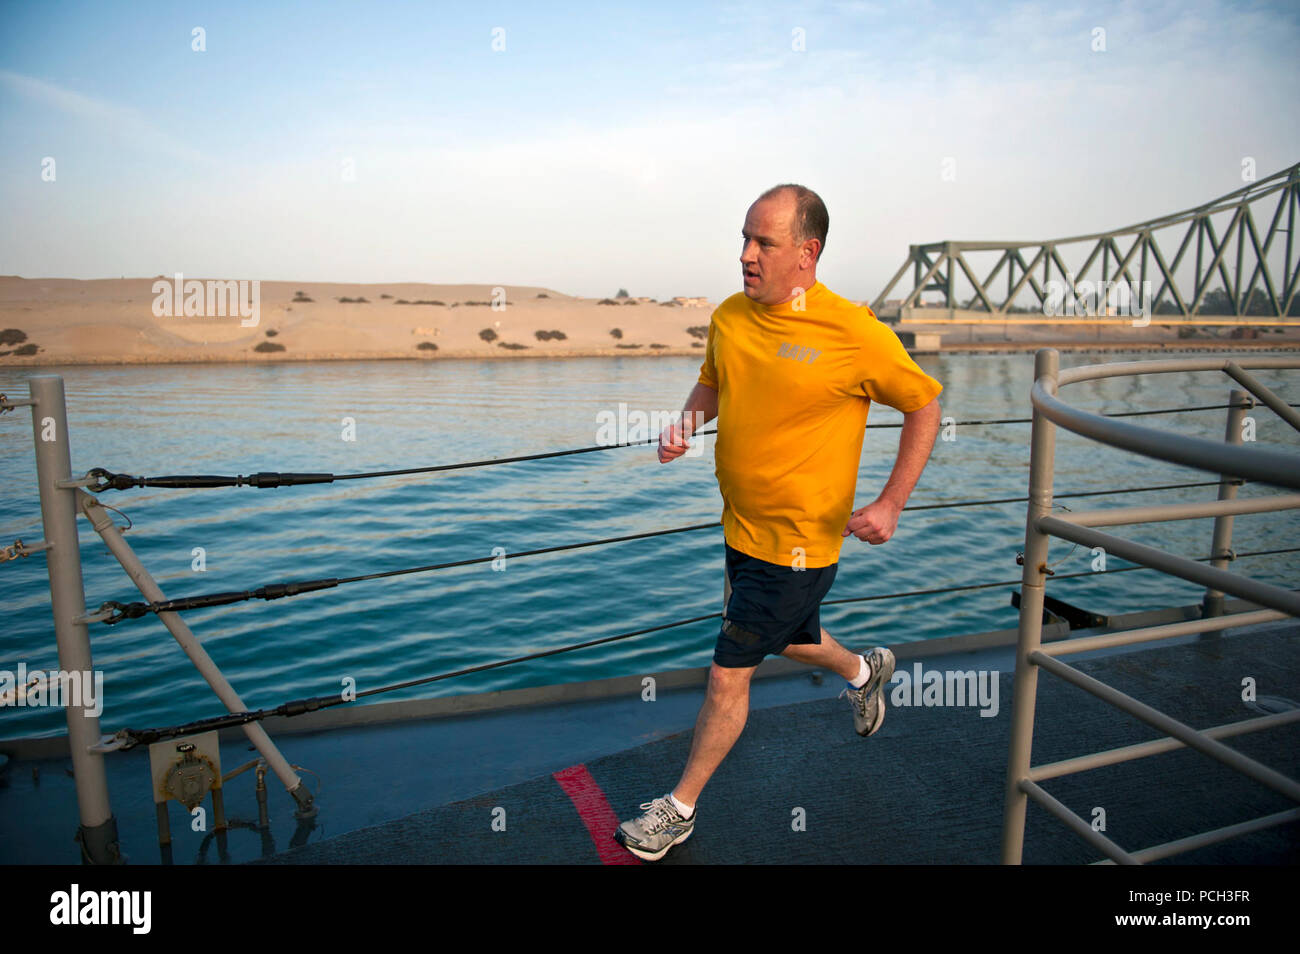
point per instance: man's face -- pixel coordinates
(771, 258)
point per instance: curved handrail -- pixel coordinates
(1279, 468)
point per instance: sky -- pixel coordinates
(593, 147)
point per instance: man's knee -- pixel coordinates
(725, 681)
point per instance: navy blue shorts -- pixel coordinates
(771, 607)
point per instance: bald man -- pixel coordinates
(790, 372)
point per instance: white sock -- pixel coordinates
(686, 810)
(864, 674)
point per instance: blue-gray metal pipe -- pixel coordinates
(1265, 594)
(1077, 824)
(1275, 403)
(1158, 720)
(1266, 465)
(1032, 590)
(98, 832)
(117, 545)
(1221, 538)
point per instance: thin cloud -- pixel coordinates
(121, 122)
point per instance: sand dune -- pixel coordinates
(113, 321)
(51, 321)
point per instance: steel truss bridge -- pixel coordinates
(1226, 268)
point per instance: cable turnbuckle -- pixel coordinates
(120, 611)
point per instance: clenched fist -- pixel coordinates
(874, 523)
(672, 443)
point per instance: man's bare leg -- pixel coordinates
(718, 726)
(726, 708)
(829, 655)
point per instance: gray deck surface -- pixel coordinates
(926, 789)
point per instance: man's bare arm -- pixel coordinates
(700, 408)
(876, 522)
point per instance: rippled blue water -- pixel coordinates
(242, 419)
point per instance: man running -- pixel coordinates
(790, 371)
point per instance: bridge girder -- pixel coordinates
(936, 265)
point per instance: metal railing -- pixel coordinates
(62, 496)
(1229, 459)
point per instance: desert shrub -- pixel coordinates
(25, 350)
(511, 345)
(269, 346)
(271, 332)
(12, 336)
(622, 293)
(427, 346)
(299, 296)
(616, 333)
(550, 335)
(631, 301)
(385, 295)
(607, 301)
(697, 344)
(543, 295)
(659, 346)
(487, 334)
(354, 301)
(698, 331)
(627, 346)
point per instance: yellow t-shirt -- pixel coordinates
(793, 389)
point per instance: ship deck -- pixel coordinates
(542, 775)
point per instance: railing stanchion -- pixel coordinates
(98, 831)
(117, 545)
(1033, 583)
(1221, 542)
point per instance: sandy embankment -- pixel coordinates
(52, 321)
(112, 321)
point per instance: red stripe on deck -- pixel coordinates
(595, 813)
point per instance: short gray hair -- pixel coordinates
(811, 220)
